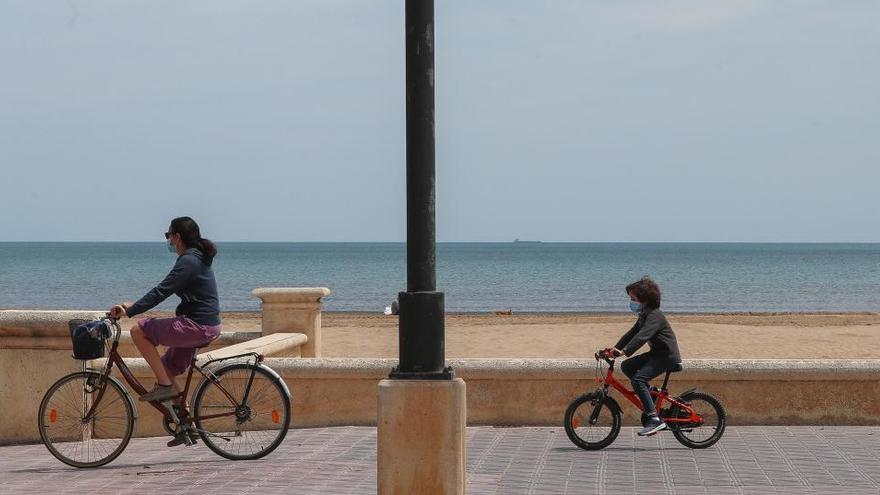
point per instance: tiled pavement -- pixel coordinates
(504, 461)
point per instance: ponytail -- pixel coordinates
(208, 249)
(192, 238)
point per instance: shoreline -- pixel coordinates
(818, 335)
(578, 335)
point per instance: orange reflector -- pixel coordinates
(275, 416)
(53, 416)
(576, 422)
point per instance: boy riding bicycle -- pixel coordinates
(653, 329)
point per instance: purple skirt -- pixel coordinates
(181, 335)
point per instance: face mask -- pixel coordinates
(171, 248)
(635, 307)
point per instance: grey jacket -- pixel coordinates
(653, 329)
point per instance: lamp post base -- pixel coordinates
(421, 437)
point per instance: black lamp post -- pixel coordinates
(422, 329)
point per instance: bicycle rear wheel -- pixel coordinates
(705, 434)
(236, 428)
(72, 439)
(602, 432)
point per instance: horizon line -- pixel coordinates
(526, 242)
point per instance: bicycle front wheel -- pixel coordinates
(79, 441)
(598, 434)
(244, 413)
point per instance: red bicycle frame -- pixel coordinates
(659, 398)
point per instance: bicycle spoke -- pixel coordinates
(248, 430)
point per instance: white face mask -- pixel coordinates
(171, 248)
(635, 307)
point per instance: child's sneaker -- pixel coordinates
(652, 426)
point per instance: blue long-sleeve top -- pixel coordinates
(193, 282)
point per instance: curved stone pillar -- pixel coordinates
(294, 310)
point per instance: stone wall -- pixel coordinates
(35, 352)
(537, 391)
(519, 392)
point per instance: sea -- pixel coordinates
(475, 277)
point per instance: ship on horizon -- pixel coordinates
(520, 241)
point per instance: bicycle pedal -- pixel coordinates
(175, 420)
(184, 439)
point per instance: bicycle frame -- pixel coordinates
(659, 398)
(115, 358)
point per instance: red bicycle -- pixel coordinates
(592, 421)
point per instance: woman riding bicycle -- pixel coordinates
(652, 328)
(197, 317)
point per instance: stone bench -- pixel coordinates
(276, 344)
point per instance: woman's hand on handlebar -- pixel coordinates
(118, 311)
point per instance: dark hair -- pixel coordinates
(646, 291)
(192, 238)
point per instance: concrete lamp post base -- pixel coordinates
(421, 437)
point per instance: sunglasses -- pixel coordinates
(168, 235)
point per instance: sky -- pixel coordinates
(581, 121)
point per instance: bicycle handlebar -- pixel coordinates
(606, 355)
(116, 326)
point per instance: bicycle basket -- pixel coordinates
(88, 338)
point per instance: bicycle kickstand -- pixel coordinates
(179, 428)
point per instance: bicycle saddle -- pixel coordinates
(675, 368)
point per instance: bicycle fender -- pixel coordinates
(613, 404)
(134, 410)
(687, 393)
(276, 378)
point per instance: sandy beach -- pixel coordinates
(542, 335)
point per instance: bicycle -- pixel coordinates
(592, 421)
(241, 409)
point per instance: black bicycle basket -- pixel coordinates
(88, 338)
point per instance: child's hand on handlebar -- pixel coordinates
(609, 353)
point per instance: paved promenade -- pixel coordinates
(503, 461)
